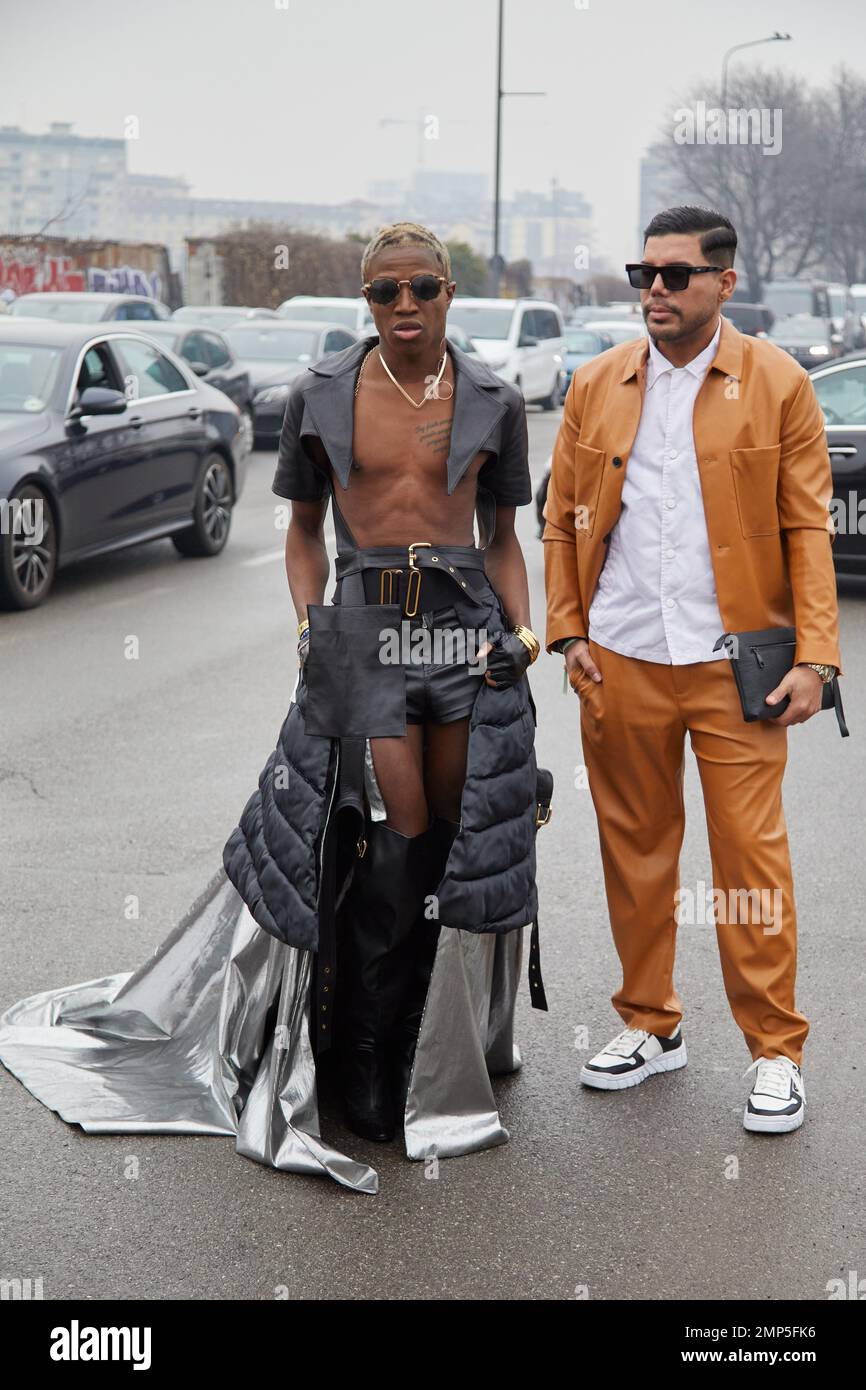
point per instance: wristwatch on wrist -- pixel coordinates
(825, 672)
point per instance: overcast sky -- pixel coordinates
(282, 99)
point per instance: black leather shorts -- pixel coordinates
(440, 686)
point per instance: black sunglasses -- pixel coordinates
(674, 277)
(384, 290)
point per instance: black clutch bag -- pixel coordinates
(759, 661)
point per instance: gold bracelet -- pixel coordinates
(529, 639)
(303, 626)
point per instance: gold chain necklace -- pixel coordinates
(431, 391)
(361, 372)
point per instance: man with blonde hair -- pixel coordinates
(414, 438)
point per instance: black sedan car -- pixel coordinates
(808, 339)
(274, 354)
(88, 307)
(208, 354)
(841, 390)
(106, 440)
(754, 319)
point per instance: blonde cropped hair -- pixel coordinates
(405, 234)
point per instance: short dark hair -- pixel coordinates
(718, 234)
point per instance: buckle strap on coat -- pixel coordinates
(543, 812)
(350, 800)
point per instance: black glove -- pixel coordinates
(508, 660)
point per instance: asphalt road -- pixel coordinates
(123, 777)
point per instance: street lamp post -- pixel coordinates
(773, 38)
(496, 261)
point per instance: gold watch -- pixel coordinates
(825, 672)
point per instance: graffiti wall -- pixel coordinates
(51, 263)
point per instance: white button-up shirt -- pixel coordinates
(656, 595)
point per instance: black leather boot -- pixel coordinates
(418, 956)
(384, 908)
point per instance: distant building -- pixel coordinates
(76, 186)
(552, 231)
(660, 187)
(74, 182)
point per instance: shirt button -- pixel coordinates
(673, 454)
(670, 553)
(670, 502)
(670, 603)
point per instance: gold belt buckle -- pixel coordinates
(414, 573)
(390, 574)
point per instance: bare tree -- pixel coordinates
(843, 120)
(71, 205)
(777, 201)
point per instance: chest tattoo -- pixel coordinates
(435, 435)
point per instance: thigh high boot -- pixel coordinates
(383, 910)
(418, 954)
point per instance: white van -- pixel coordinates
(352, 313)
(522, 340)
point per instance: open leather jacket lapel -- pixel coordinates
(478, 408)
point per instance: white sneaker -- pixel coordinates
(631, 1057)
(778, 1100)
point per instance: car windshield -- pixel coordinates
(622, 332)
(789, 299)
(27, 376)
(273, 344)
(345, 314)
(740, 313)
(838, 302)
(580, 340)
(217, 318)
(799, 330)
(481, 320)
(77, 309)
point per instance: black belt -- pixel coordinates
(398, 574)
(416, 590)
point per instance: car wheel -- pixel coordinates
(551, 401)
(26, 567)
(212, 513)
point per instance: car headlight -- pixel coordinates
(270, 394)
(819, 350)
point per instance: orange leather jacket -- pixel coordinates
(765, 479)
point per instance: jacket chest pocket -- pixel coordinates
(588, 475)
(756, 479)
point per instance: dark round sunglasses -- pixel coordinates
(384, 290)
(674, 277)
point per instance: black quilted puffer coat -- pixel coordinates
(274, 855)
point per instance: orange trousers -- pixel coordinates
(633, 727)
